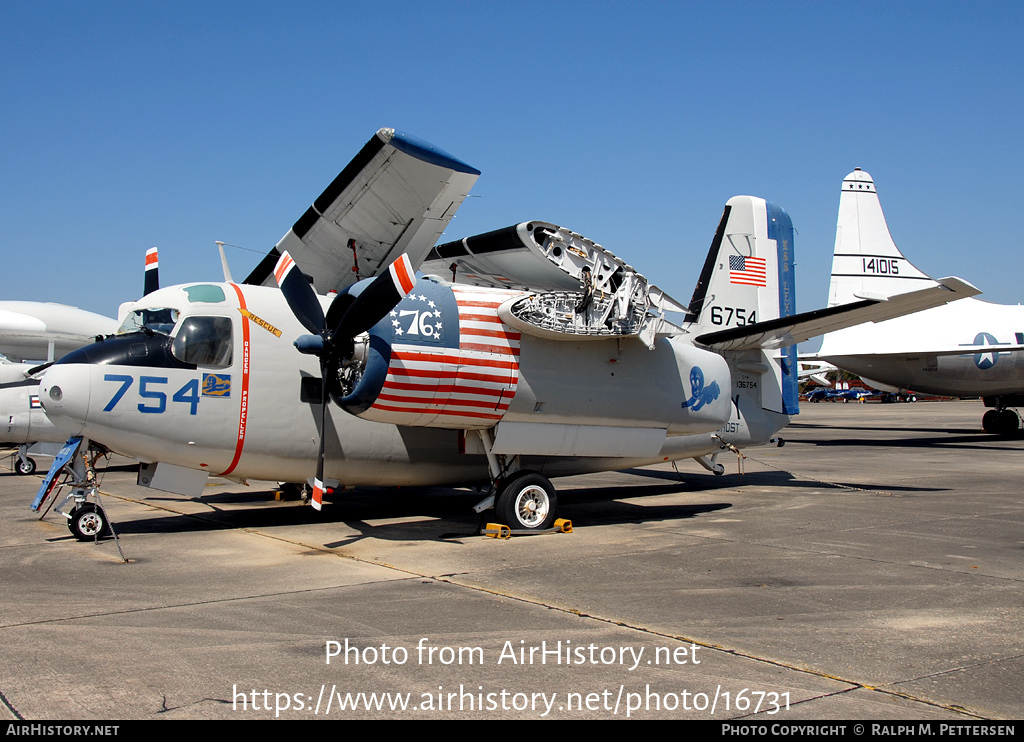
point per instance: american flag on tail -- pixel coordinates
(748, 271)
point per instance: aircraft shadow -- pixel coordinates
(965, 433)
(707, 482)
(435, 512)
(960, 442)
(432, 513)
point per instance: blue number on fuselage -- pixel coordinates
(126, 381)
(161, 396)
(188, 394)
(190, 399)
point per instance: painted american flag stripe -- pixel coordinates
(454, 357)
(474, 383)
(446, 413)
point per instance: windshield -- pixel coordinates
(160, 320)
(204, 341)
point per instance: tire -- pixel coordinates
(25, 466)
(1009, 423)
(528, 502)
(990, 421)
(88, 522)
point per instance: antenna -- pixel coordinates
(224, 263)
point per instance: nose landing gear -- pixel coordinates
(87, 521)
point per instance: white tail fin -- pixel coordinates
(866, 264)
(748, 274)
(748, 279)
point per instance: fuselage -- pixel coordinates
(212, 382)
(32, 330)
(920, 352)
(22, 419)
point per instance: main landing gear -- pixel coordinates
(523, 500)
(527, 502)
(1001, 421)
(25, 466)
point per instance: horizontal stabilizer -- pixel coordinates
(397, 196)
(798, 328)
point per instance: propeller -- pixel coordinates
(152, 276)
(332, 338)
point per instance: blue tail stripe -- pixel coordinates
(780, 229)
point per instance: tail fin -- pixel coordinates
(866, 264)
(748, 274)
(748, 279)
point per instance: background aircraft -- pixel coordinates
(43, 331)
(38, 330)
(971, 348)
(548, 356)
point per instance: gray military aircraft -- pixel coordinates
(545, 355)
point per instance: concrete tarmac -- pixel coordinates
(776, 594)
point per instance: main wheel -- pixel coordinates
(990, 421)
(25, 466)
(527, 502)
(1009, 423)
(88, 522)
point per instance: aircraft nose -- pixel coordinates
(64, 394)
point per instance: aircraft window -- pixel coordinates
(204, 341)
(161, 321)
(207, 293)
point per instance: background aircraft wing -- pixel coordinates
(797, 328)
(396, 196)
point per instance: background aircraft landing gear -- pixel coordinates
(25, 466)
(1001, 422)
(527, 502)
(88, 522)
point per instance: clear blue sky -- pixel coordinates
(128, 125)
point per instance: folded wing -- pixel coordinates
(396, 196)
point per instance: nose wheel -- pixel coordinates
(88, 522)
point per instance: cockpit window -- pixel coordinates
(161, 321)
(204, 341)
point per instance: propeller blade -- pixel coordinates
(356, 314)
(299, 294)
(377, 299)
(152, 275)
(318, 483)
